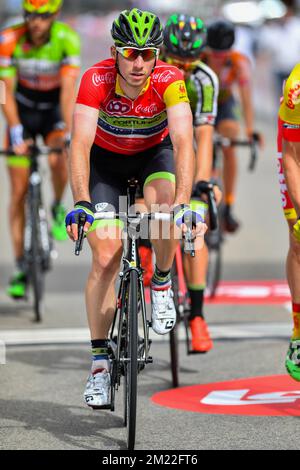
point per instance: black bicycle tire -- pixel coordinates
(132, 364)
(173, 337)
(174, 355)
(37, 273)
(214, 271)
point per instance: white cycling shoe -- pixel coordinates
(163, 310)
(97, 391)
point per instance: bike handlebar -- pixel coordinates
(221, 141)
(34, 150)
(158, 216)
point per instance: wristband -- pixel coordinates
(16, 134)
(85, 205)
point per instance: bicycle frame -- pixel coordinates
(130, 261)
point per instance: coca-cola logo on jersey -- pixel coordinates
(151, 109)
(98, 79)
(117, 108)
(164, 77)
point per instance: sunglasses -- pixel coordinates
(132, 53)
(181, 64)
(32, 16)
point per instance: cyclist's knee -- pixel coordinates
(159, 192)
(229, 128)
(18, 196)
(106, 261)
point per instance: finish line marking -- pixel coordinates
(277, 395)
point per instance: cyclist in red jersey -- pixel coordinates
(132, 118)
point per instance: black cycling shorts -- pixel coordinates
(40, 122)
(110, 172)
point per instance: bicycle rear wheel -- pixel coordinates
(37, 274)
(214, 271)
(131, 366)
(173, 338)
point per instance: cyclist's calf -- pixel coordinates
(294, 243)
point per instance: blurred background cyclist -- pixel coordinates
(234, 72)
(39, 64)
(184, 39)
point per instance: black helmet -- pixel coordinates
(220, 35)
(184, 35)
(137, 28)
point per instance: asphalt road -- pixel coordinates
(46, 365)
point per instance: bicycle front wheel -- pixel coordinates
(131, 368)
(173, 339)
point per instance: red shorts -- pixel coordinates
(290, 132)
(285, 133)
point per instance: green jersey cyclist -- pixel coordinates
(184, 40)
(39, 65)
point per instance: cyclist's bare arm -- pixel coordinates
(180, 123)
(247, 108)
(204, 152)
(67, 99)
(83, 134)
(10, 106)
(10, 111)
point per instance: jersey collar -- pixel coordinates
(120, 92)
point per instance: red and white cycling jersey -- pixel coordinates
(130, 126)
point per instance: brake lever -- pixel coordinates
(79, 241)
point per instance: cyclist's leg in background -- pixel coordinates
(18, 170)
(289, 180)
(195, 273)
(53, 133)
(227, 126)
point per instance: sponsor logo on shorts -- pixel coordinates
(286, 125)
(101, 206)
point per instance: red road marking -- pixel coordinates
(277, 395)
(252, 292)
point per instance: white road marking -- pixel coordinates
(81, 335)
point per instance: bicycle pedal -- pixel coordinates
(150, 360)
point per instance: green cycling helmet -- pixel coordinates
(136, 28)
(184, 35)
(42, 6)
